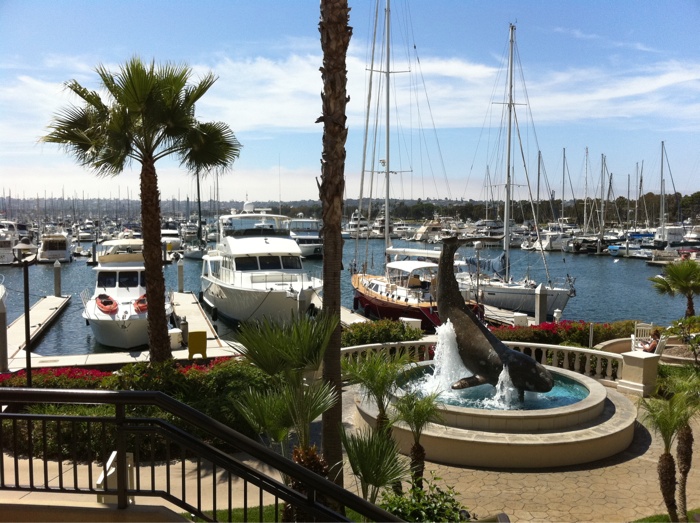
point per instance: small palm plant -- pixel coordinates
(688, 385)
(377, 374)
(417, 411)
(667, 417)
(374, 460)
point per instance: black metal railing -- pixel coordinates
(156, 457)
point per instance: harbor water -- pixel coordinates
(607, 289)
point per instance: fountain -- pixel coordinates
(578, 421)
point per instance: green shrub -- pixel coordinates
(56, 378)
(380, 331)
(428, 504)
(566, 332)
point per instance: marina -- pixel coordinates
(607, 289)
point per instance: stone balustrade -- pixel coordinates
(632, 372)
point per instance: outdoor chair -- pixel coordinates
(641, 335)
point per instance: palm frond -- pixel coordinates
(374, 460)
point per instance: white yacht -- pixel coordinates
(307, 233)
(117, 310)
(256, 270)
(54, 245)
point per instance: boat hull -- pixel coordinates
(377, 308)
(278, 302)
(127, 333)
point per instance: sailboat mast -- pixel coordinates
(662, 202)
(563, 183)
(387, 74)
(506, 210)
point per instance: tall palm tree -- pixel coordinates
(417, 411)
(148, 113)
(335, 39)
(681, 277)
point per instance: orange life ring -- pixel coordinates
(141, 305)
(106, 304)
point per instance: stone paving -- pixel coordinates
(617, 489)
(621, 488)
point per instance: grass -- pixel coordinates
(693, 515)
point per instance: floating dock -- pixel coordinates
(41, 315)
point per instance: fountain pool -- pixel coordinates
(596, 425)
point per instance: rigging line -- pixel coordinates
(522, 155)
(498, 81)
(367, 117)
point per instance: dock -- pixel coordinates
(185, 304)
(41, 315)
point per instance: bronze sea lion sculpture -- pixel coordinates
(480, 351)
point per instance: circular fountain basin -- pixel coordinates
(518, 421)
(599, 426)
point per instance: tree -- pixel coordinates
(417, 412)
(148, 113)
(681, 277)
(667, 417)
(335, 39)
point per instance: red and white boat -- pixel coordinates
(117, 310)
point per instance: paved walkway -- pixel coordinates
(618, 489)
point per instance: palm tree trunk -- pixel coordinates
(158, 339)
(667, 482)
(417, 464)
(684, 454)
(335, 39)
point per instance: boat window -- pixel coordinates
(143, 278)
(128, 279)
(107, 279)
(291, 262)
(246, 263)
(270, 263)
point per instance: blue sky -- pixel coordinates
(614, 77)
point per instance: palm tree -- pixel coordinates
(667, 417)
(681, 277)
(688, 385)
(147, 114)
(377, 373)
(335, 39)
(417, 411)
(374, 460)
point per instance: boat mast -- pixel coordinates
(387, 242)
(506, 210)
(563, 185)
(662, 202)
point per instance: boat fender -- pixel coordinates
(201, 297)
(141, 305)
(355, 304)
(214, 314)
(311, 310)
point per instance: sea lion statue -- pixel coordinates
(481, 352)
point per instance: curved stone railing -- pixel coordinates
(598, 364)
(631, 372)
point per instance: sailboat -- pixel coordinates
(198, 248)
(497, 288)
(407, 289)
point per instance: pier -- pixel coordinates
(41, 315)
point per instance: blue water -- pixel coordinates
(565, 392)
(606, 290)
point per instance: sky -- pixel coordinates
(606, 84)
